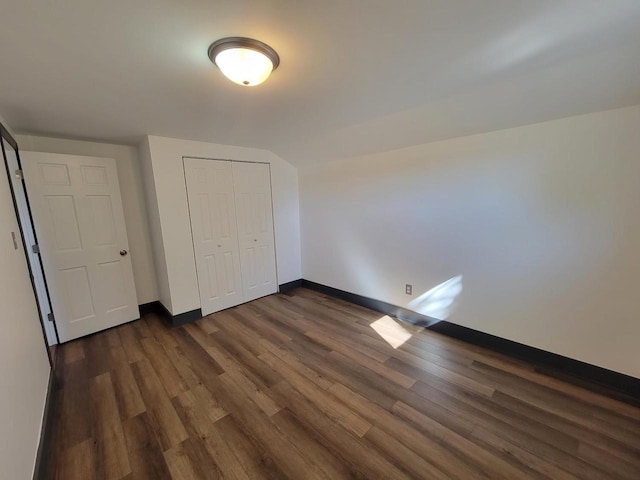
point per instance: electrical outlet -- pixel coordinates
(408, 289)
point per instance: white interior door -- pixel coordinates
(215, 238)
(79, 221)
(252, 186)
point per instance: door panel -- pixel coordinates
(215, 241)
(64, 220)
(79, 221)
(252, 186)
(113, 293)
(101, 212)
(78, 295)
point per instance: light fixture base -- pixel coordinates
(243, 42)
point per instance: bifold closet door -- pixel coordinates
(215, 239)
(252, 186)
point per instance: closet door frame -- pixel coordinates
(275, 253)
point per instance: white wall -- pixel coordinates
(132, 191)
(24, 366)
(162, 158)
(155, 227)
(541, 221)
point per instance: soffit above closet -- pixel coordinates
(356, 77)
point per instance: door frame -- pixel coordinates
(273, 220)
(38, 268)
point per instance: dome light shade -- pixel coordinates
(244, 61)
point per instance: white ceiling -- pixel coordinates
(357, 76)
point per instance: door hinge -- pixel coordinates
(50, 317)
(19, 174)
(35, 248)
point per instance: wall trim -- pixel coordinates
(601, 380)
(151, 307)
(45, 445)
(186, 317)
(174, 320)
(373, 304)
(287, 287)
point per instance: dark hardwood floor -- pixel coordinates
(301, 386)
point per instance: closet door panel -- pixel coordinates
(213, 226)
(252, 186)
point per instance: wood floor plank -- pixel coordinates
(363, 359)
(480, 407)
(251, 363)
(295, 363)
(208, 325)
(192, 415)
(112, 451)
(76, 414)
(201, 362)
(73, 351)
(546, 447)
(130, 343)
(171, 380)
(444, 373)
(128, 395)
(236, 329)
(225, 458)
(263, 328)
(301, 386)
(255, 460)
(342, 442)
(605, 460)
(199, 425)
(178, 460)
(443, 458)
(201, 460)
(312, 446)
(483, 436)
(142, 329)
(577, 392)
(145, 455)
(208, 402)
(341, 414)
(253, 388)
(580, 412)
(97, 354)
(287, 455)
(169, 428)
(403, 457)
(160, 331)
(199, 378)
(77, 462)
(585, 436)
(496, 467)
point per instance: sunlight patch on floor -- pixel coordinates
(393, 331)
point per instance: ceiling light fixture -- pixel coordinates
(244, 61)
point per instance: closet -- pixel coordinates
(232, 227)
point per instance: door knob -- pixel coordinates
(123, 253)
